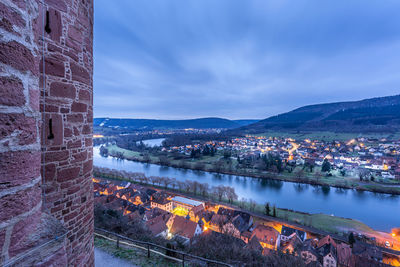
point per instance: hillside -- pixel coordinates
(380, 114)
(149, 124)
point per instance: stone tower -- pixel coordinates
(46, 115)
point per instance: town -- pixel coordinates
(363, 158)
(175, 217)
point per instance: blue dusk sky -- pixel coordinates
(236, 59)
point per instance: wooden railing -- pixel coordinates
(151, 249)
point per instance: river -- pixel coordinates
(379, 211)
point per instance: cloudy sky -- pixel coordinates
(240, 58)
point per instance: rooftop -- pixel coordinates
(187, 201)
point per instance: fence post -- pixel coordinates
(117, 242)
(183, 260)
(148, 251)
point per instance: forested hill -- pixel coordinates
(380, 114)
(149, 124)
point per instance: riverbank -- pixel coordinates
(314, 222)
(207, 165)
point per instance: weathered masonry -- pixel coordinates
(46, 115)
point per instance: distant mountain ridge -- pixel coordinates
(149, 124)
(368, 115)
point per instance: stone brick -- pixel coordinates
(54, 65)
(73, 189)
(67, 132)
(75, 118)
(12, 16)
(34, 99)
(79, 157)
(7, 25)
(11, 173)
(65, 110)
(12, 91)
(87, 129)
(53, 48)
(84, 95)
(24, 127)
(79, 73)
(18, 56)
(57, 4)
(58, 258)
(75, 34)
(55, 156)
(74, 144)
(21, 234)
(78, 107)
(88, 166)
(88, 142)
(59, 89)
(68, 174)
(19, 203)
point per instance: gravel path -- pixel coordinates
(103, 259)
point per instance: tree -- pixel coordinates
(219, 191)
(352, 240)
(227, 154)
(274, 212)
(299, 173)
(252, 204)
(230, 194)
(326, 166)
(267, 209)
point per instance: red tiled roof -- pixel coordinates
(156, 225)
(266, 234)
(183, 227)
(326, 240)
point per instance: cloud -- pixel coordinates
(241, 59)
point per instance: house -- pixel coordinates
(184, 228)
(153, 213)
(161, 203)
(196, 212)
(326, 240)
(254, 244)
(158, 226)
(268, 236)
(368, 252)
(288, 233)
(185, 203)
(245, 236)
(290, 246)
(217, 222)
(328, 254)
(344, 255)
(308, 252)
(248, 219)
(235, 227)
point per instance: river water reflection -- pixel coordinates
(380, 211)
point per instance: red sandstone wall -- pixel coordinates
(20, 193)
(68, 101)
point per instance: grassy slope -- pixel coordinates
(137, 257)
